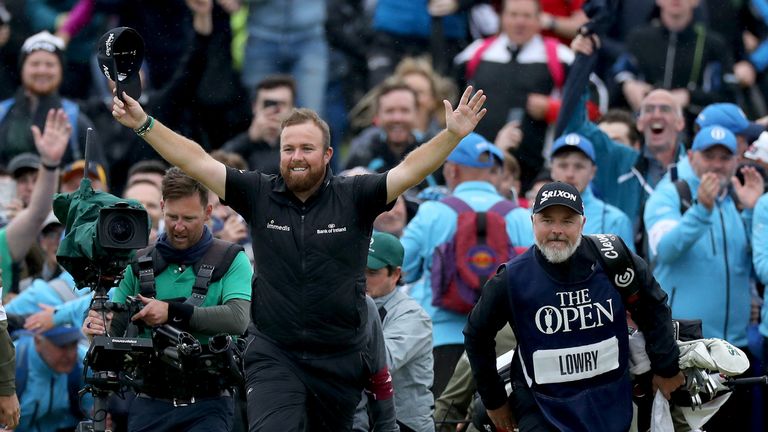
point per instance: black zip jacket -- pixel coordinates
(310, 257)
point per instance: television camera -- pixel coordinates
(103, 233)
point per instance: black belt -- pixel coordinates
(185, 401)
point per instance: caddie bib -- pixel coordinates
(573, 346)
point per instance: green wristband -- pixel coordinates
(146, 127)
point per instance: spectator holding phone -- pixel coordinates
(259, 145)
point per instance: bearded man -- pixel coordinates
(570, 371)
(311, 230)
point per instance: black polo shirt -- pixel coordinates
(310, 257)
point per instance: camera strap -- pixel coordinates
(210, 268)
(616, 260)
(202, 280)
(147, 276)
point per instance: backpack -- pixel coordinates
(462, 265)
(74, 378)
(556, 69)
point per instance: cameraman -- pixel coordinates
(174, 400)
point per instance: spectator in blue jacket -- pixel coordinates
(702, 254)
(45, 361)
(705, 250)
(760, 262)
(47, 304)
(469, 173)
(625, 177)
(52, 293)
(573, 162)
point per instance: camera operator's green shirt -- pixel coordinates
(177, 285)
(6, 262)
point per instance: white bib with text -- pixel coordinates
(577, 363)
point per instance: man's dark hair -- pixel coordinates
(276, 81)
(617, 115)
(391, 270)
(152, 166)
(177, 185)
(230, 159)
(305, 115)
(394, 85)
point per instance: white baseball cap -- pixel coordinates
(759, 149)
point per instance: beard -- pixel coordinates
(301, 182)
(557, 255)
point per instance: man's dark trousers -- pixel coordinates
(285, 389)
(157, 415)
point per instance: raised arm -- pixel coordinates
(429, 156)
(51, 144)
(174, 148)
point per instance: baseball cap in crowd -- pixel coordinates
(574, 141)
(471, 149)
(63, 335)
(759, 149)
(712, 136)
(558, 193)
(51, 220)
(731, 117)
(385, 250)
(43, 41)
(76, 168)
(23, 162)
(120, 52)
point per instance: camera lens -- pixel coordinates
(120, 229)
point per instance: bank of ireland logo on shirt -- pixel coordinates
(331, 228)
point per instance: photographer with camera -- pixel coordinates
(183, 262)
